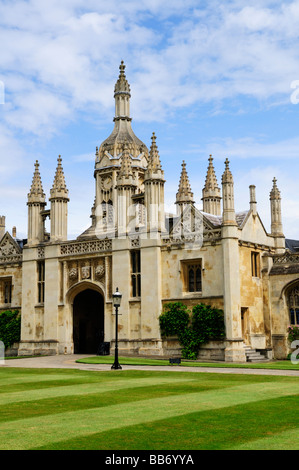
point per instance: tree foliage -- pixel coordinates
(10, 327)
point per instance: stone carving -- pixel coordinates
(7, 248)
(99, 271)
(86, 247)
(135, 242)
(41, 252)
(85, 272)
(73, 273)
(10, 252)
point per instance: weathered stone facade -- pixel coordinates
(215, 256)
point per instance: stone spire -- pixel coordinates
(211, 180)
(122, 85)
(275, 203)
(229, 215)
(227, 176)
(125, 172)
(122, 95)
(154, 190)
(36, 204)
(59, 189)
(36, 193)
(59, 199)
(154, 168)
(275, 193)
(113, 146)
(184, 194)
(126, 187)
(211, 192)
(154, 158)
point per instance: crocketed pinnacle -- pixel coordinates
(154, 163)
(125, 171)
(227, 176)
(211, 180)
(36, 193)
(59, 189)
(275, 193)
(122, 84)
(184, 193)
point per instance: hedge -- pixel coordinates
(10, 327)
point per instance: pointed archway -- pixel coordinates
(88, 321)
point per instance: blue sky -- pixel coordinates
(207, 77)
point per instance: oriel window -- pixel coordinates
(136, 273)
(41, 281)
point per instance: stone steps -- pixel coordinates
(254, 356)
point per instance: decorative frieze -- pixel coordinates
(11, 259)
(85, 247)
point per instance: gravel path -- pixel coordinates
(69, 362)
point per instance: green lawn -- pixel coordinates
(278, 365)
(144, 410)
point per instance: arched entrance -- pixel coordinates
(88, 321)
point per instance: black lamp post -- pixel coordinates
(116, 303)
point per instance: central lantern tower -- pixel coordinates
(121, 162)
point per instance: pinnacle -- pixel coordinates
(122, 85)
(211, 180)
(227, 176)
(184, 193)
(275, 193)
(154, 158)
(36, 189)
(59, 185)
(126, 163)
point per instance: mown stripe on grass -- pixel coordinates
(83, 389)
(24, 379)
(279, 441)
(40, 431)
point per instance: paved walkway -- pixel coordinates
(69, 362)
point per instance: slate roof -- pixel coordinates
(216, 220)
(292, 245)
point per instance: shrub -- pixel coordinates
(293, 333)
(10, 327)
(206, 323)
(174, 319)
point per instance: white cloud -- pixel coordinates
(59, 60)
(69, 51)
(250, 148)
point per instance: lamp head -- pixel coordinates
(116, 298)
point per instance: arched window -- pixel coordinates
(293, 303)
(194, 278)
(108, 213)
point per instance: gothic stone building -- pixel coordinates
(216, 256)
